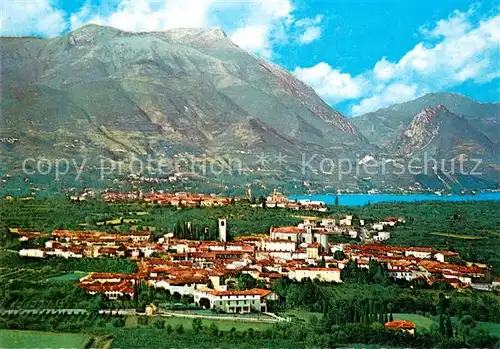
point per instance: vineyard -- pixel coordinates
(33, 275)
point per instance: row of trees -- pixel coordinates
(354, 297)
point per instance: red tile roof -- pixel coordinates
(401, 324)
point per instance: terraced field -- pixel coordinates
(35, 275)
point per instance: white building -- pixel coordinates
(382, 236)
(323, 274)
(32, 252)
(347, 221)
(244, 301)
(279, 245)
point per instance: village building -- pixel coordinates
(235, 301)
(401, 325)
(322, 274)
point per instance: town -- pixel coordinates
(128, 259)
(204, 269)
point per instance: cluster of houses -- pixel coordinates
(179, 199)
(278, 200)
(208, 270)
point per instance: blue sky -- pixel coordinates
(358, 55)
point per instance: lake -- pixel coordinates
(363, 199)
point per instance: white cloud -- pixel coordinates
(456, 24)
(311, 34)
(311, 27)
(459, 51)
(253, 39)
(390, 94)
(332, 84)
(261, 25)
(266, 25)
(40, 17)
(144, 15)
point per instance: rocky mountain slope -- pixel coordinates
(102, 91)
(193, 94)
(381, 127)
(460, 134)
(443, 134)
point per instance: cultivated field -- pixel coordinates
(224, 325)
(35, 339)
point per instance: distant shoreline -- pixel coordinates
(361, 199)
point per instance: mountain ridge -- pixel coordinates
(100, 91)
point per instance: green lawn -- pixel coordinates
(425, 322)
(419, 320)
(33, 339)
(490, 327)
(300, 314)
(224, 325)
(75, 276)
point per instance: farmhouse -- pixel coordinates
(235, 301)
(401, 325)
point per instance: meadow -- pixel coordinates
(223, 325)
(16, 339)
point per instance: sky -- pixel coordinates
(359, 56)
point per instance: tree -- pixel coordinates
(449, 327)
(339, 255)
(176, 297)
(442, 326)
(197, 325)
(246, 282)
(214, 330)
(322, 263)
(118, 322)
(159, 324)
(179, 329)
(467, 323)
(169, 329)
(336, 200)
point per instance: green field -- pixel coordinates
(34, 339)
(300, 314)
(419, 320)
(490, 327)
(224, 325)
(457, 236)
(425, 322)
(75, 276)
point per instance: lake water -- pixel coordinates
(363, 199)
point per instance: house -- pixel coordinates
(495, 285)
(347, 221)
(323, 274)
(444, 256)
(305, 233)
(112, 290)
(313, 250)
(244, 301)
(32, 252)
(420, 252)
(279, 245)
(150, 309)
(382, 236)
(401, 325)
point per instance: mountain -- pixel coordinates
(383, 126)
(443, 135)
(99, 91)
(460, 134)
(194, 98)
